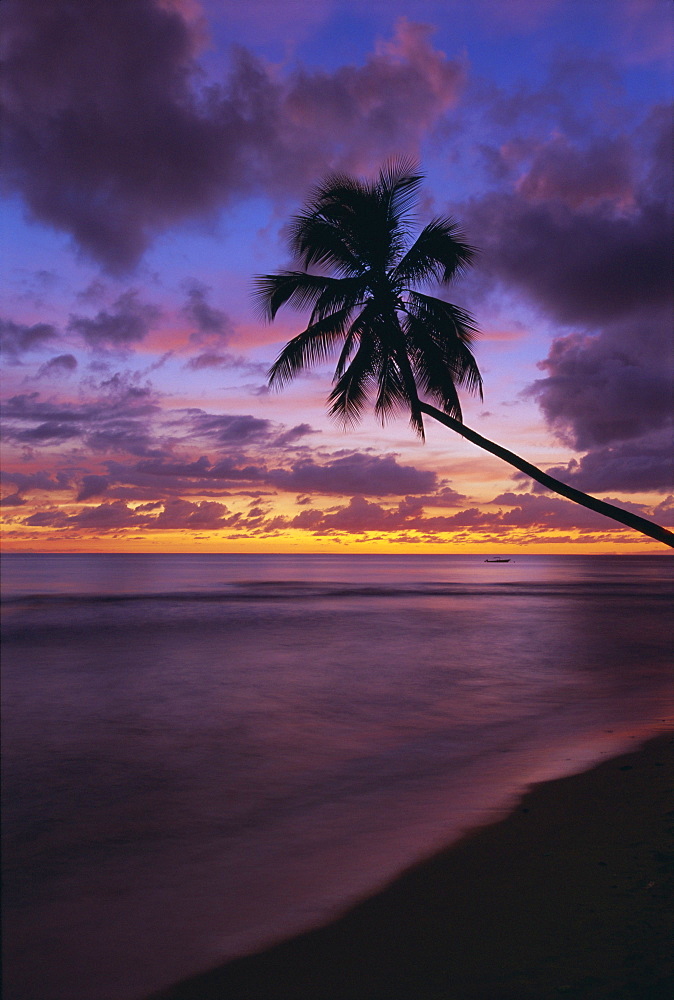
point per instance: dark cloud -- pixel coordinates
(360, 515)
(229, 429)
(209, 323)
(225, 360)
(51, 431)
(62, 364)
(209, 359)
(128, 323)
(18, 338)
(124, 436)
(103, 138)
(367, 475)
(581, 267)
(294, 434)
(580, 177)
(158, 477)
(105, 517)
(92, 486)
(118, 420)
(374, 475)
(443, 497)
(31, 483)
(585, 233)
(642, 465)
(204, 516)
(47, 519)
(612, 387)
(12, 500)
(109, 136)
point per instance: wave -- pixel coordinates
(292, 590)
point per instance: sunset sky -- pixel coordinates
(154, 151)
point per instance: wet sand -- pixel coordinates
(570, 896)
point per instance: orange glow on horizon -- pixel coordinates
(287, 541)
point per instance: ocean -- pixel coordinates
(205, 753)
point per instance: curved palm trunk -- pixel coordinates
(600, 506)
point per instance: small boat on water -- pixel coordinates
(497, 559)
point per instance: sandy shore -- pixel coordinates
(571, 896)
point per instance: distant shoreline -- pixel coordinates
(571, 895)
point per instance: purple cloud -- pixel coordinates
(29, 483)
(174, 515)
(638, 465)
(288, 438)
(18, 338)
(227, 429)
(585, 233)
(92, 486)
(526, 511)
(209, 323)
(62, 364)
(368, 475)
(119, 420)
(613, 386)
(111, 136)
(127, 324)
(531, 510)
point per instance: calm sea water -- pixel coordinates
(205, 753)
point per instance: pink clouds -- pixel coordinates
(516, 513)
(172, 515)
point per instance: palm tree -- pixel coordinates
(399, 346)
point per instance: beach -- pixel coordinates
(570, 895)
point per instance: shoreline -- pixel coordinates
(570, 895)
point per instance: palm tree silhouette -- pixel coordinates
(397, 343)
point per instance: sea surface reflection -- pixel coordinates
(205, 753)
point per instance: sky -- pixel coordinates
(153, 154)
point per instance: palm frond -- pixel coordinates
(432, 374)
(296, 288)
(441, 357)
(356, 225)
(443, 316)
(361, 326)
(396, 189)
(392, 395)
(439, 254)
(410, 386)
(360, 230)
(315, 240)
(339, 293)
(399, 181)
(308, 348)
(352, 390)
